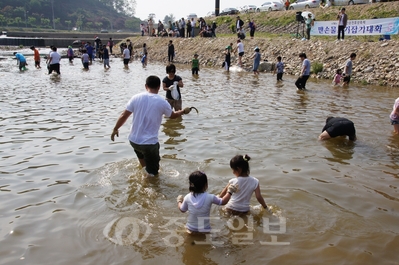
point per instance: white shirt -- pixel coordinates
(126, 53)
(240, 47)
(199, 208)
(148, 110)
(239, 201)
(55, 57)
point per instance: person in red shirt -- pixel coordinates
(36, 57)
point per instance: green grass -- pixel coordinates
(317, 67)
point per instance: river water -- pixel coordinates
(71, 196)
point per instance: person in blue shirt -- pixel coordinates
(305, 72)
(21, 61)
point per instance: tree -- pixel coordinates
(168, 18)
(89, 25)
(45, 22)
(18, 20)
(98, 24)
(68, 22)
(2, 19)
(31, 21)
(132, 24)
(79, 23)
(57, 21)
(10, 21)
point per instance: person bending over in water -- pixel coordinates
(338, 127)
(239, 202)
(198, 202)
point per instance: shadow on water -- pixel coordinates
(340, 148)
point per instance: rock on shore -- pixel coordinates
(377, 63)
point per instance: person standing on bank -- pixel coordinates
(348, 69)
(239, 25)
(309, 24)
(170, 82)
(336, 126)
(148, 108)
(171, 51)
(342, 21)
(305, 72)
(240, 50)
(252, 28)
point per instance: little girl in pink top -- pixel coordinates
(337, 77)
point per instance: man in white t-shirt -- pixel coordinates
(54, 61)
(126, 56)
(148, 109)
(240, 50)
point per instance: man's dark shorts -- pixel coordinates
(150, 154)
(241, 54)
(347, 79)
(342, 128)
(126, 61)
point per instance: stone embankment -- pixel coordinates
(377, 63)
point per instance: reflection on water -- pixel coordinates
(62, 178)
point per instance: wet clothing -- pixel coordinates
(393, 116)
(70, 54)
(301, 81)
(21, 60)
(168, 83)
(195, 66)
(227, 61)
(348, 69)
(148, 110)
(340, 127)
(85, 60)
(256, 61)
(280, 70)
(199, 207)
(240, 200)
(55, 58)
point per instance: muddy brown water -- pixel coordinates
(71, 196)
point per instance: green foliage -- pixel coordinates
(168, 18)
(21, 46)
(317, 67)
(31, 12)
(233, 28)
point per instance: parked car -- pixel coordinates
(348, 2)
(270, 6)
(210, 14)
(248, 9)
(229, 11)
(302, 4)
(104, 31)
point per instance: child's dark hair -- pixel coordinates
(353, 55)
(339, 71)
(153, 82)
(198, 182)
(302, 55)
(279, 58)
(240, 162)
(171, 69)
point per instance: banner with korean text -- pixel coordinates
(381, 26)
